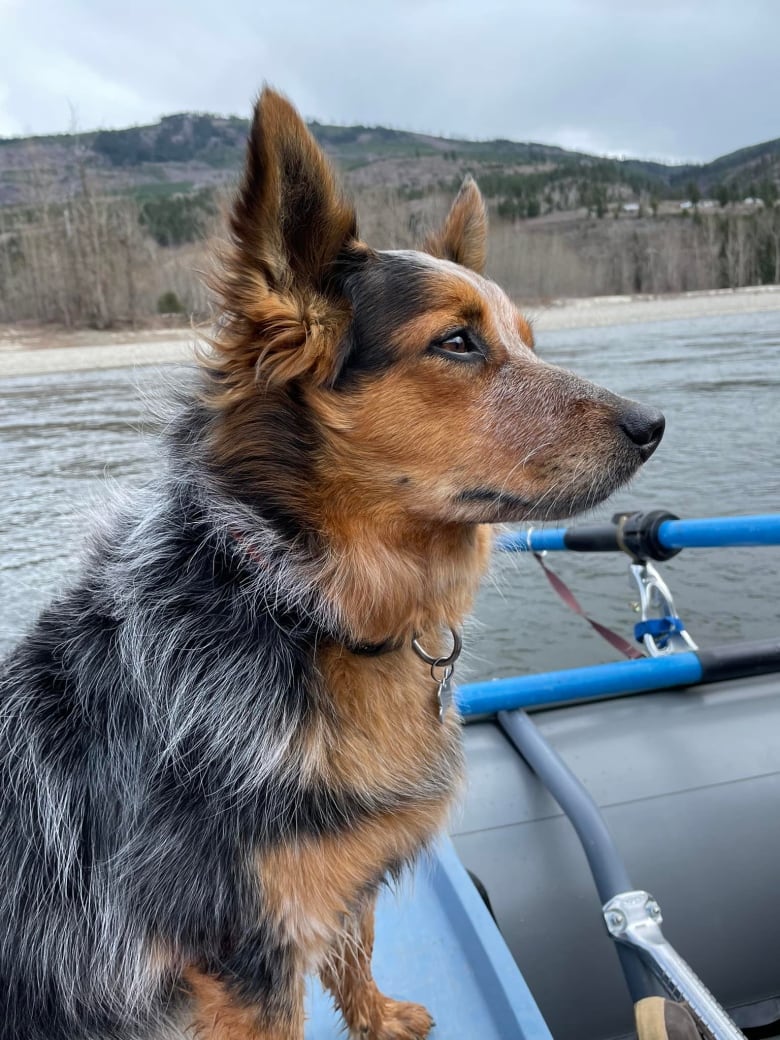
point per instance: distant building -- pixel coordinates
(701, 204)
(630, 207)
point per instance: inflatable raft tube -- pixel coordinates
(689, 784)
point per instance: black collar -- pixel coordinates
(373, 649)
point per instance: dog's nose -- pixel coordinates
(644, 427)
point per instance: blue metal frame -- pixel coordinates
(638, 676)
(533, 540)
(707, 532)
(720, 531)
(599, 680)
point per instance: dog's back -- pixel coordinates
(146, 725)
(70, 794)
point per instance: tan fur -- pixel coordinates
(525, 331)
(217, 1014)
(366, 1011)
(297, 336)
(384, 721)
(312, 887)
(388, 576)
(318, 894)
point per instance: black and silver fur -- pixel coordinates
(149, 744)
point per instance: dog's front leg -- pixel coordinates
(368, 1013)
(254, 994)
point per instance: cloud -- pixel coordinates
(690, 78)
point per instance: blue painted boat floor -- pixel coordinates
(437, 945)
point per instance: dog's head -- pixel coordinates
(418, 372)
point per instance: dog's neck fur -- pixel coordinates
(395, 583)
(376, 573)
(372, 583)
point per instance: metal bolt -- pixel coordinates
(616, 919)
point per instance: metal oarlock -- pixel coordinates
(660, 630)
(634, 919)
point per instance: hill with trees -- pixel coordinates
(108, 225)
(190, 151)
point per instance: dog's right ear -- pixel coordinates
(289, 225)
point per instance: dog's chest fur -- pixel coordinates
(382, 738)
(384, 720)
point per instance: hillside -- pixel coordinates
(111, 227)
(188, 152)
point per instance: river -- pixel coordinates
(64, 436)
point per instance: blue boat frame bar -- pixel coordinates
(705, 533)
(619, 679)
(667, 535)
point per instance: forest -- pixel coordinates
(117, 227)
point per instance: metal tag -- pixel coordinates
(445, 694)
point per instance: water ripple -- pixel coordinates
(716, 380)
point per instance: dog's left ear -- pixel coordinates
(463, 237)
(290, 218)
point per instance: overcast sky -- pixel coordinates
(668, 79)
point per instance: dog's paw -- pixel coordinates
(399, 1020)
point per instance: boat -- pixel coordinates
(618, 847)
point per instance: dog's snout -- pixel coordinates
(644, 427)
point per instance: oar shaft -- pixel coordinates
(670, 534)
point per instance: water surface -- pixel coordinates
(717, 380)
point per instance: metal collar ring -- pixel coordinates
(443, 662)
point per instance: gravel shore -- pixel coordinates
(23, 352)
(597, 311)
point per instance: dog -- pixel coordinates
(222, 738)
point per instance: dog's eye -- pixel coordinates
(456, 345)
(459, 345)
